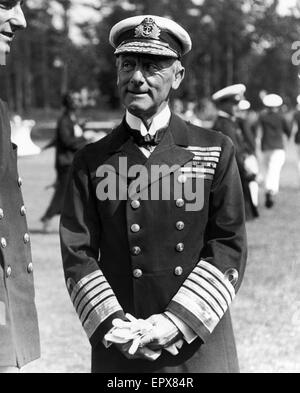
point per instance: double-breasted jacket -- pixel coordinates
(19, 336)
(173, 240)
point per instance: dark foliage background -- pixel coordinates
(234, 41)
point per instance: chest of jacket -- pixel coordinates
(152, 230)
(13, 226)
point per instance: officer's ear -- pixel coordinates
(179, 74)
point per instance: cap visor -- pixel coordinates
(146, 48)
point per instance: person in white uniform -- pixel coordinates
(273, 128)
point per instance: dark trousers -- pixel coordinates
(57, 200)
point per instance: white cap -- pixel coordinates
(234, 92)
(244, 105)
(150, 34)
(272, 101)
(298, 99)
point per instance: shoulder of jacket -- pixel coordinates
(97, 150)
(210, 136)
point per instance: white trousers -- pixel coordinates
(273, 162)
(252, 167)
(298, 146)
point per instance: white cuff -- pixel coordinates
(106, 343)
(188, 334)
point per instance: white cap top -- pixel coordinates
(150, 34)
(236, 92)
(272, 101)
(244, 105)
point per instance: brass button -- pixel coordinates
(26, 238)
(1, 214)
(232, 275)
(180, 202)
(180, 225)
(182, 179)
(137, 273)
(136, 250)
(135, 228)
(30, 268)
(135, 204)
(180, 247)
(3, 242)
(23, 211)
(178, 271)
(20, 182)
(8, 271)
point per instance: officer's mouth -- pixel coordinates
(8, 36)
(137, 93)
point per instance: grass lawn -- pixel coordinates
(266, 312)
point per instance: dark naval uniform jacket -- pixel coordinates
(297, 121)
(274, 126)
(231, 127)
(19, 336)
(248, 135)
(148, 256)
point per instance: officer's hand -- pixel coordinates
(126, 336)
(163, 335)
(138, 353)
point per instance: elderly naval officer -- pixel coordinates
(175, 269)
(19, 336)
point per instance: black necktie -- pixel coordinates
(147, 140)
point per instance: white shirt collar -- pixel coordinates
(161, 120)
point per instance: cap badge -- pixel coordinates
(148, 29)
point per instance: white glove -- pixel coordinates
(163, 334)
(138, 338)
(127, 336)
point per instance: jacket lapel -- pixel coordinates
(123, 153)
(171, 152)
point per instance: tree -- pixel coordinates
(243, 41)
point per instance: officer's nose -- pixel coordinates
(18, 20)
(137, 77)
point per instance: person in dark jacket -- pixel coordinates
(19, 334)
(69, 138)
(153, 224)
(226, 101)
(273, 128)
(248, 127)
(297, 136)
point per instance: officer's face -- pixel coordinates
(229, 107)
(145, 82)
(11, 20)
